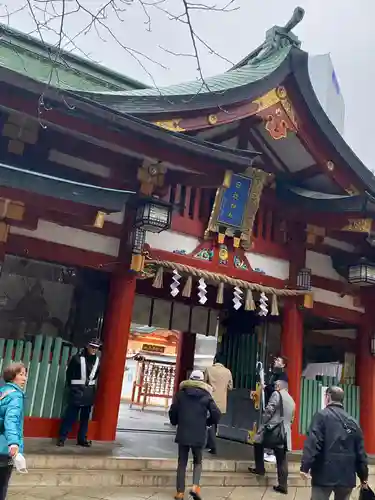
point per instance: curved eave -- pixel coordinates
(225, 156)
(299, 65)
(321, 202)
(205, 101)
(111, 200)
(140, 133)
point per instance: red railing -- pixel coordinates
(269, 231)
(195, 208)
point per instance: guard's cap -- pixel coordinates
(197, 375)
(96, 343)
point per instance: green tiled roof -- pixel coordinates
(97, 196)
(27, 55)
(235, 78)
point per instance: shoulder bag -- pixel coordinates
(274, 434)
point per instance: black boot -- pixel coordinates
(85, 443)
(280, 489)
(60, 443)
(258, 473)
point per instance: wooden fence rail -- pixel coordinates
(46, 359)
(311, 400)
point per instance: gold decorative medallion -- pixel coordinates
(151, 176)
(212, 119)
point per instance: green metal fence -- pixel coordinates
(311, 400)
(46, 359)
(240, 352)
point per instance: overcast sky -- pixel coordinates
(343, 28)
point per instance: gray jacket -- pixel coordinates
(272, 412)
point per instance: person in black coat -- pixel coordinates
(81, 378)
(277, 373)
(334, 451)
(193, 410)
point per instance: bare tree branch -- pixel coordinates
(59, 17)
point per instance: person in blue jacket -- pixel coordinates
(11, 421)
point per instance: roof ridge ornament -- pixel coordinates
(277, 38)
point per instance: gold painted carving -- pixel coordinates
(358, 226)
(20, 131)
(282, 117)
(352, 190)
(267, 100)
(171, 125)
(151, 176)
(4, 231)
(314, 234)
(10, 209)
(99, 219)
(276, 126)
(227, 179)
(16, 147)
(20, 128)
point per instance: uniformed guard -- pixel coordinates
(81, 379)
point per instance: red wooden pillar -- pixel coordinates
(365, 375)
(185, 357)
(115, 344)
(292, 348)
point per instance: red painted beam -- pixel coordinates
(186, 260)
(270, 248)
(336, 286)
(46, 202)
(349, 316)
(84, 223)
(132, 142)
(199, 120)
(33, 248)
(184, 225)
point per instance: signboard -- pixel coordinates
(236, 204)
(157, 349)
(233, 202)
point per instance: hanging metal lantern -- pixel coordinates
(304, 279)
(153, 215)
(362, 273)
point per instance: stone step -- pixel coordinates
(100, 478)
(89, 462)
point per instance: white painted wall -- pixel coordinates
(49, 231)
(334, 299)
(341, 245)
(277, 268)
(170, 241)
(321, 265)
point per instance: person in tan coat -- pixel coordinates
(220, 379)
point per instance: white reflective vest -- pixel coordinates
(83, 380)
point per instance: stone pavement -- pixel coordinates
(209, 493)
